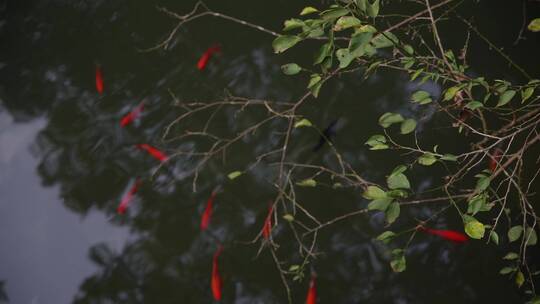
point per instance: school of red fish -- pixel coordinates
(216, 282)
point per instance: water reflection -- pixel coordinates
(89, 159)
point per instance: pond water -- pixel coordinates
(65, 162)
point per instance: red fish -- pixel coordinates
(494, 159)
(450, 235)
(207, 214)
(131, 116)
(267, 227)
(153, 151)
(99, 80)
(126, 199)
(312, 291)
(216, 282)
(203, 61)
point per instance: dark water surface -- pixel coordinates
(65, 162)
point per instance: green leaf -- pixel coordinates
(323, 52)
(397, 193)
(387, 119)
(449, 157)
(482, 183)
(374, 192)
(234, 174)
(372, 9)
(506, 97)
(474, 229)
(290, 69)
(284, 42)
(427, 159)
(344, 57)
(473, 105)
(386, 237)
(530, 236)
(476, 203)
(294, 267)
(315, 83)
(377, 142)
(380, 204)
(534, 26)
(303, 123)
(399, 263)
(451, 92)
(526, 94)
(307, 183)
(520, 279)
(392, 213)
(535, 300)
(494, 237)
(346, 22)
(359, 41)
(362, 5)
(511, 256)
(408, 49)
(398, 181)
(421, 97)
(384, 40)
(507, 270)
(399, 169)
(292, 24)
(408, 125)
(308, 10)
(334, 13)
(515, 233)
(288, 217)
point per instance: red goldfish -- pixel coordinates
(207, 214)
(203, 61)
(153, 151)
(99, 80)
(312, 291)
(267, 227)
(450, 235)
(216, 282)
(131, 116)
(128, 197)
(494, 159)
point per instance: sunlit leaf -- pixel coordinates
(377, 142)
(359, 41)
(515, 233)
(398, 262)
(346, 22)
(397, 193)
(534, 25)
(374, 192)
(234, 174)
(315, 83)
(427, 159)
(308, 10)
(284, 42)
(380, 204)
(307, 183)
(292, 24)
(451, 92)
(482, 183)
(507, 270)
(476, 203)
(288, 217)
(344, 57)
(303, 123)
(474, 229)
(291, 69)
(526, 94)
(408, 125)
(384, 40)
